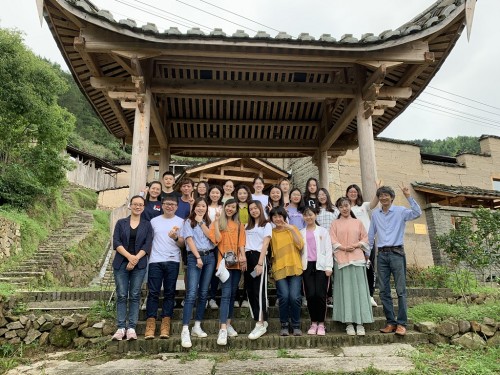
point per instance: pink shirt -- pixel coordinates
(311, 246)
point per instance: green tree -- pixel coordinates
(451, 146)
(474, 243)
(34, 128)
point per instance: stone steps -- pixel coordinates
(50, 251)
(269, 341)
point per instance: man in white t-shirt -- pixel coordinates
(163, 267)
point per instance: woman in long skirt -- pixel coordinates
(351, 295)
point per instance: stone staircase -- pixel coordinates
(243, 324)
(25, 274)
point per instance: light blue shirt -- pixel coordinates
(201, 241)
(389, 227)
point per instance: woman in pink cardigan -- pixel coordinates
(351, 296)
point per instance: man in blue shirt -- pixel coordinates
(388, 224)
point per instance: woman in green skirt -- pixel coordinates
(351, 296)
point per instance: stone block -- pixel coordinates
(15, 340)
(488, 330)
(426, 327)
(436, 339)
(31, 336)
(21, 333)
(69, 321)
(47, 326)
(470, 340)
(24, 320)
(494, 342)
(447, 329)
(44, 338)
(475, 326)
(90, 332)
(2, 331)
(463, 326)
(10, 334)
(490, 322)
(14, 325)
(61, 337)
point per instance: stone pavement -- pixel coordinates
(389, 358)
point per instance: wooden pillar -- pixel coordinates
(323, 170)
(140, 146)
(164, 160)
(366, 152)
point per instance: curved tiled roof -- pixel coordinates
(218, 95)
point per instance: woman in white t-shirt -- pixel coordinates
(362, 211)
(258, 195)
(258, 235)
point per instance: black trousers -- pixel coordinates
(315, 287)
(256, 286)
(370, 273)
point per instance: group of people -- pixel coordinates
(299, 239)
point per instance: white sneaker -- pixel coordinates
(360, 330)
(373, 302)
(245, 304)
(350, 330)
(277, 304)
(222, 338)
(119, 334)
(197, 331)
(329, 302)
(304, 301)
(236, 304)
(258, 331)
(231, 332)
(182, 303)
(185, 339)
(213, 304)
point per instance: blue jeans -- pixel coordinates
(229, 289)
(128, 287)
(290, 299)
(198, 280)
(162, 273)
(392, 263)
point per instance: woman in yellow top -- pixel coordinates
(229, 235)
(287, 245)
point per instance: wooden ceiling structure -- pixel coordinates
(213, 95)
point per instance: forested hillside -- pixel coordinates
(451, 146)
(90, 134)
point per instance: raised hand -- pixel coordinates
(405, 189)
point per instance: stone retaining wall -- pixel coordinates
(469, 334)
(10, 238)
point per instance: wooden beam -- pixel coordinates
(112, 83)
(231, 177)
(158, 127)
(377, 78)
(270, 167)
(206, 48)
(212, 165)
(395, 92)
(292, 123)
(338, 128)
(271, 145)
(319, 91)
(128, 105)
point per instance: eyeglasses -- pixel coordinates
(169, 204)
(137, 205)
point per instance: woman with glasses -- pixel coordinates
(132, 240)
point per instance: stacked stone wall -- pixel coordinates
(10, 238)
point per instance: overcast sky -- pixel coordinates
(470, 72)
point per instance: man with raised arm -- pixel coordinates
(388, 226)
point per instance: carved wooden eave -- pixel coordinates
(226, 96)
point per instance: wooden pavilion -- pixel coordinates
(169, 93)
